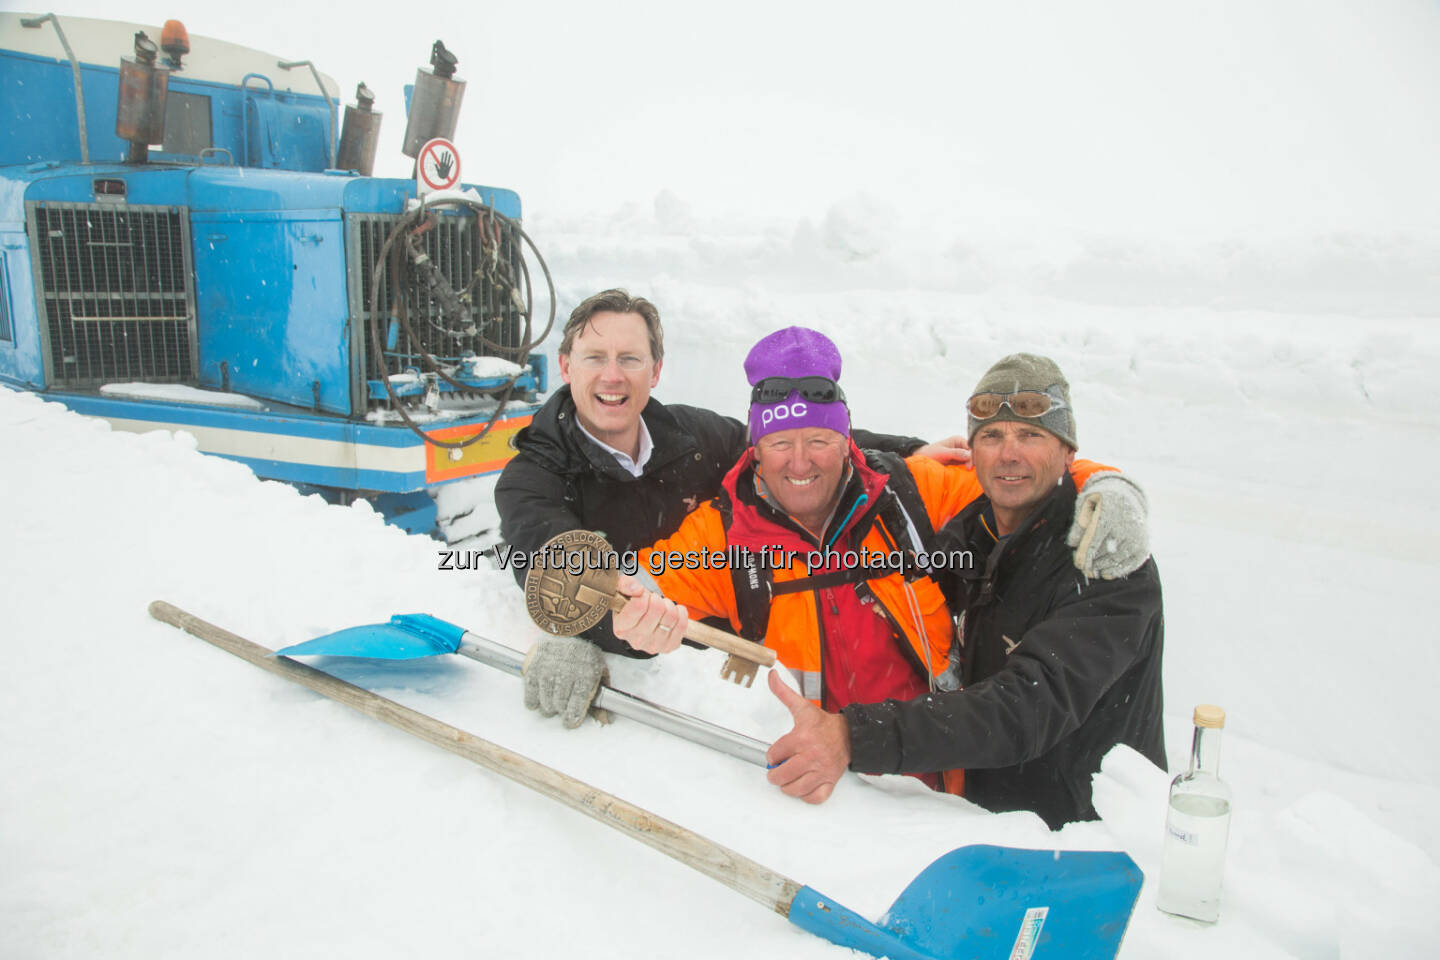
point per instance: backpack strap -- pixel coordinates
(753, 581)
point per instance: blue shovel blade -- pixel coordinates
(982, 902)
(408, 636)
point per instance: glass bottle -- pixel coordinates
(1197, 827)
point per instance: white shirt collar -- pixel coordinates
(636, 466)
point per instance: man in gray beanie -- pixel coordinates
(1055, 666)
(1004, 387)
(1027, 389)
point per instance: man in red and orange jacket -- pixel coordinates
(840, 580)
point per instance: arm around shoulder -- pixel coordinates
(890, 443)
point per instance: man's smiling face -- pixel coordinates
(1017, 464)
(803, 469)
(610, 372)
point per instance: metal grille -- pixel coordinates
(454, 245)
(114, 286)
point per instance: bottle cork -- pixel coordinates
(1209, 715)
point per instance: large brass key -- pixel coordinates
(572, 585)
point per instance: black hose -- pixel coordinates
(407, 224)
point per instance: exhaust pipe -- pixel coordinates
(140, 111)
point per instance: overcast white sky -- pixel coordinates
(1195, 117)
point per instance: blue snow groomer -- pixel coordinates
(187, 242)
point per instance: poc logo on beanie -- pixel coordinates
(782, 411)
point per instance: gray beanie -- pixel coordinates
(1026, 371)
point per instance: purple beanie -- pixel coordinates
(795, 352)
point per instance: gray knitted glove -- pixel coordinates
(562, 675)
(1110, 535)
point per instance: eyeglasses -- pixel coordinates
(628, 362)
(814, 389)
(1027, 403)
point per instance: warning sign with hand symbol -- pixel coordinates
(437, 167)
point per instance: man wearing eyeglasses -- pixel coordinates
(603, 454)
(1055, 668)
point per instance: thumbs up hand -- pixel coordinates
(809, 760)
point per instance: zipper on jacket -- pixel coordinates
(820, 631)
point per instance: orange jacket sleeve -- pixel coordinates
(677, 565)
(945, 487)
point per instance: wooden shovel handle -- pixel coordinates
(719, 639)
(739, 873)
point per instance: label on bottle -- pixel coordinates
(1029, 934)
(1184, 836)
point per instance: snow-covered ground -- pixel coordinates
(161, 798)
(1220, 220)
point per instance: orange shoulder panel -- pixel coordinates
(1082, 470)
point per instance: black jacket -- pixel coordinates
(562, 481)
(1057, 670)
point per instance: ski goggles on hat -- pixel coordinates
(814, 389)
(1027, 403)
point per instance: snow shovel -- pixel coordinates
(571, 585)
(981, 902)
(414, 636)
